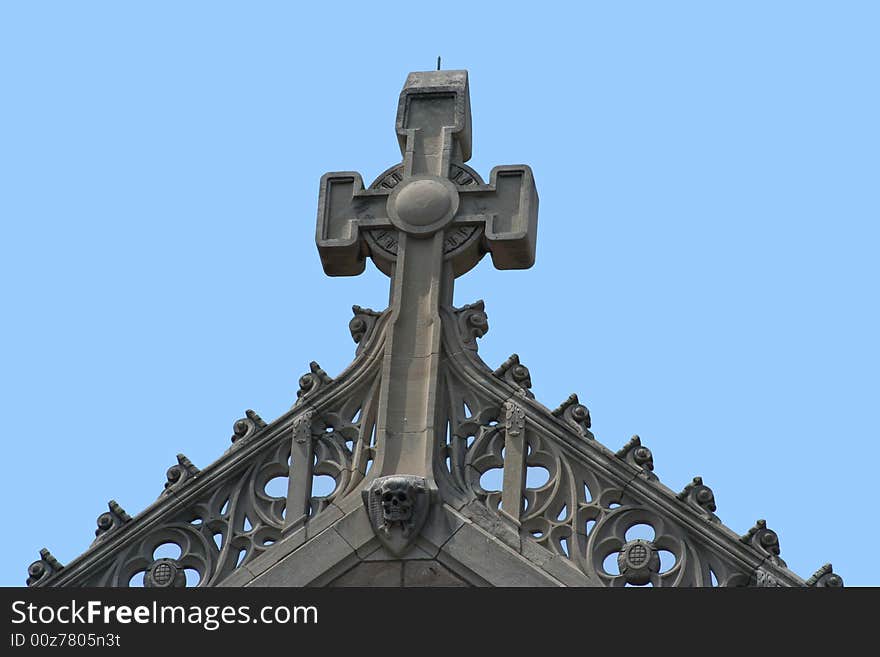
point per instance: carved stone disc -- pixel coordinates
(383, 242)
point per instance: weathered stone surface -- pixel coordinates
(375, 573)
(319, 557)
(280, 550)
(490, 559)
(497, 525)
(429, 573)
(558, 567)
(442, 524)
(327, 517)
(396, 573)
(412, 552)
(356, 529)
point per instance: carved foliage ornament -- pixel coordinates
(185, 471)
(311, 382)
(764, 539)
(245, 428)
(516, 374)
(110, 520)
(639, 457)
(473, 323)
(825, 577)
(362, 324)
(701, 496)
(43, 568)
(576, 415)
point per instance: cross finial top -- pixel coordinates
(431, 192)
(434, 118)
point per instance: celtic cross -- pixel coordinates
(424, 223)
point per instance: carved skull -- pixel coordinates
(397, 502)
(397, 506)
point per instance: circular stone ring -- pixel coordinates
(422, 205)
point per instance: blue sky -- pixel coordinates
(707, 262)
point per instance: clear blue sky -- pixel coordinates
(707, 264)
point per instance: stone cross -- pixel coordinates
(424, 223)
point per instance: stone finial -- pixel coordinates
(183, 472)
(825, 577)
(246, 427)
(576, 414)
(516, 374)
(699, 495)
(44, 567)
(638, 456)
(110, 520)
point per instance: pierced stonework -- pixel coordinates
(638, 456)
(182, 473)
(700, 496)
(765, 540)
(473, 323)
(825, 577)
(637, 561)
(516, 374)
(110, 520)
(398, 507)
(245, 428)
(165, 574)
(43, 568)
(340, 452)
(221, 528)
(576, 415)
(362, 324)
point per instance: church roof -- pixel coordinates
(413, 429)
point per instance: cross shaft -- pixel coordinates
(434, 132)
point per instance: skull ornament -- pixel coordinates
(398, 507)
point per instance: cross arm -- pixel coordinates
(508, 207)
(345, 208)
